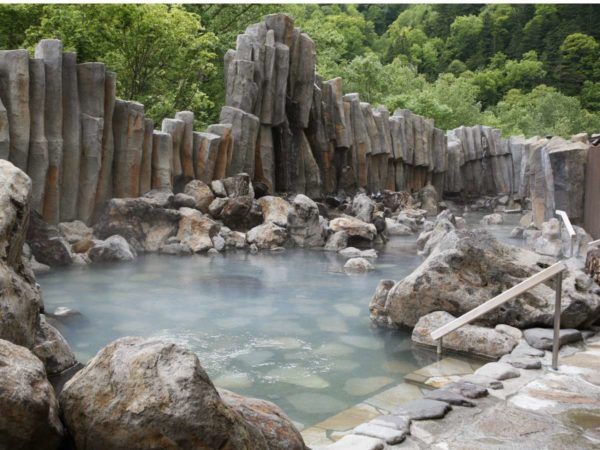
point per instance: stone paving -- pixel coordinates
(538, 409)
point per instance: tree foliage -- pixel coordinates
(532, 69)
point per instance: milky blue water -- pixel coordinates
(290, 327)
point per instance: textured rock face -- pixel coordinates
(30, 414)
(128, 129)
(363, 207)
(275, 210)
(466, 269)
(303, 222)
(196, 230)
(201, 193)
(145, 394)
(472, 339)
(47, 244)
(20, 301)
(354, 227)
(267, 236)
(113, 249)
(277, 429)
(52, 349)
(145, 222)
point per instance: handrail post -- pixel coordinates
(439, 347)
(557, 311)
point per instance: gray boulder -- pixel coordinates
(354, 227)
(303, 222)
(146, 394)
(469, 268)
(202, 194)
(30, 412)
(145, 222)
(542, 338)
(471, 339)
(52, 349)
(267, 236)
(113, 249)
(358, 265)
(196, 230)
(363, 207)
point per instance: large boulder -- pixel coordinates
(267, 236)
(468, 268)
(363, 207)
(428, 197)
(47, 244)
(241, 213)
(196, 230)
(146, 222)
(472, 339)
(52, 349)
(139, 394)
(30, 413)
(112, 249)
(20, 299)
(275, 209)
(353, 227)
(303, 222)
(201, 193)
(239, 185)
(277, 429)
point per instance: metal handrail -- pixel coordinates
(570, 230)
(595, 243)
(553, 271)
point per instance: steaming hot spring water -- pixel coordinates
(290, 327)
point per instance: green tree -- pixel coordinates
(579, 61)
(161, 53)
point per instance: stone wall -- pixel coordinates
(290, 130)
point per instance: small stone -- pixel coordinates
(401, 423)
(541, 338)
(357, 442)
(389, 435)
(510, 331)
(492, 219)
(469, 390)
(524, 349)
(483, 381)
(423, 409)
(522, 362)
(452, 398)
(498, 371)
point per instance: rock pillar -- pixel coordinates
(162, 149)
(146, 169)
(128, 127)
(37, 166)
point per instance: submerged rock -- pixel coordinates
(147, 394)
(30, 413)
(358, 265)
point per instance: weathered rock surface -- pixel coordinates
(423, 409)
(145, 222)
(147, 394)
(196, 230)
(303, 222)
(113, 249)
(30, 412)
(201, 193)
(542, 338)
(358, 265)
(47, 244)
(275, 426)
(474, 339)
(354, 227)
(466, 269)
(52, 349)
(267, 236)
(275, 209)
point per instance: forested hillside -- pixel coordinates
(530, 69)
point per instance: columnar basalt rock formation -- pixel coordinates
(283, 125)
